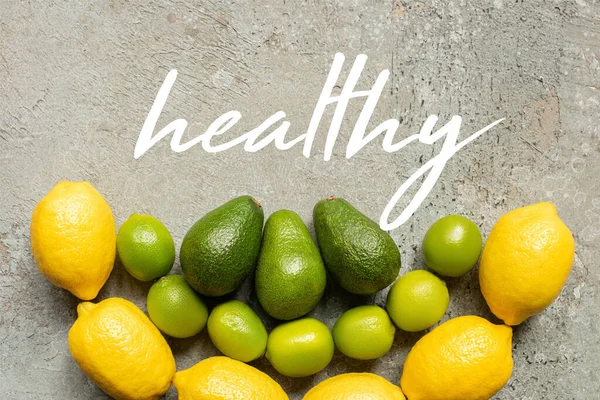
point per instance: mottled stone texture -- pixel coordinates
(77, 79)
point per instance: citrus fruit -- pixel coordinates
(237, 331)
(417, 301)
(73, 238)
(222, 378)
(463, 358)
(117, 346)
(175, 308)
(452, 245)
(355, 386)
(525, 262)
(300, 348)
(145, 247)
(364, 333)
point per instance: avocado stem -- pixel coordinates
(331, 198)
(256, 202)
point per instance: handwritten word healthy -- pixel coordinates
(254, 141)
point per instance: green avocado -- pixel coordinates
(290, 275)
(360, 256)
(221, 248)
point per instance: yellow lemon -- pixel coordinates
(223, 378)
(117, 347)
(525, 262)
(355, 386)
(73, 238)
(463, 358)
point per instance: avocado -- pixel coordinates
(290, 275)
(221, 248)
(359, 255)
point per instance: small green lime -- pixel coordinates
(175, 308)
(145, 247)
(417, 301)
(300, 348)
(237, 331)
(452, 245)
(364, 333)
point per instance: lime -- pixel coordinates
(300, 348)
(237, 331)
(175, 308)
(145, 247)
(364, 333)
(417, 301)
(452, 245)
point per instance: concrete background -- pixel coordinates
(77, 80)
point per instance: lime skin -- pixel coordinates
(417, 301)
(237, 331)
(175, 308)
(300, 348)
(145, 247)
(364, 333)
(452, 245)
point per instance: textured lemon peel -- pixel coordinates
(525, 262)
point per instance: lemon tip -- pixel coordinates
(84, 308)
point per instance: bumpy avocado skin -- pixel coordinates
(359, 255)
(220, 250)
(290, 275)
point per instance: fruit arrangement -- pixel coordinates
(523, 266)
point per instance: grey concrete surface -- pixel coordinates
(77, 80)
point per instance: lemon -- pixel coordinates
(73, 238)
(364, 333)
(117, 347)
(355, 386)
(417, 301)
(525, 262)
(300, 348)
(175, 308)
(463, 358)
(222, 378)
(452, 245)
(237, 331)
